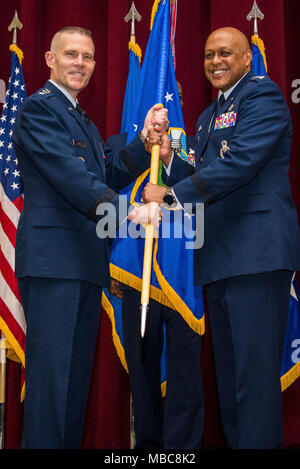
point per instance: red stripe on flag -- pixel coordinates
(12, 325)
(9, 275)
(19, 203)
(8, 227)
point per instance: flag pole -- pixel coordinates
(148, 249)
(4, 345)
(132, 16)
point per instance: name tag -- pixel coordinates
(226, 120)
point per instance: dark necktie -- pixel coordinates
(221, 101)
(217, 107)
(85, 118)
(80, 110)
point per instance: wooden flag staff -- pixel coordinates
(148, 249)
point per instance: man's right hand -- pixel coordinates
(165, 154)
(156, 116)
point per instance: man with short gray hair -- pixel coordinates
(61, 264)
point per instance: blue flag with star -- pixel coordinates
(172, 281)
(158, 81)
(134, 72)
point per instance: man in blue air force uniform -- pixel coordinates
(61, 264)
(251, 235)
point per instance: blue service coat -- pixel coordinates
(242, 158)
(67, 171)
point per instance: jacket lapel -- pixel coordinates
(85, 124)
(209, 124)
(204, 129)
(229, 104)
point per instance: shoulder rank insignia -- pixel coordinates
(224, 148)
(258, 77)
(44, 91)
(226, 120)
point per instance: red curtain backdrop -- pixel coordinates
(107, 419)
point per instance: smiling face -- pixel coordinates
(227, 58)
(71, 61)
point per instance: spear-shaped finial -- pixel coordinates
(14, 25)
(254, 14)
(132, 15)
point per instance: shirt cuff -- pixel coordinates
(168, 168)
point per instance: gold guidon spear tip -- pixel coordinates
(14, 25)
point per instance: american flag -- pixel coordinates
(12, 321)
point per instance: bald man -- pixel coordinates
(251, 235)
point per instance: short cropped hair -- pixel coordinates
(70, 29)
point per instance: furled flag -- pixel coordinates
(172, 274)
(12, 321)
(290, 364)
(135, 55)
(259, 61)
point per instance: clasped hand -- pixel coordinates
(155, 129)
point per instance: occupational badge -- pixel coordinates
(224, 148)
(232, 106)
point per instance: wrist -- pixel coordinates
(169, 199)
(166, 159)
